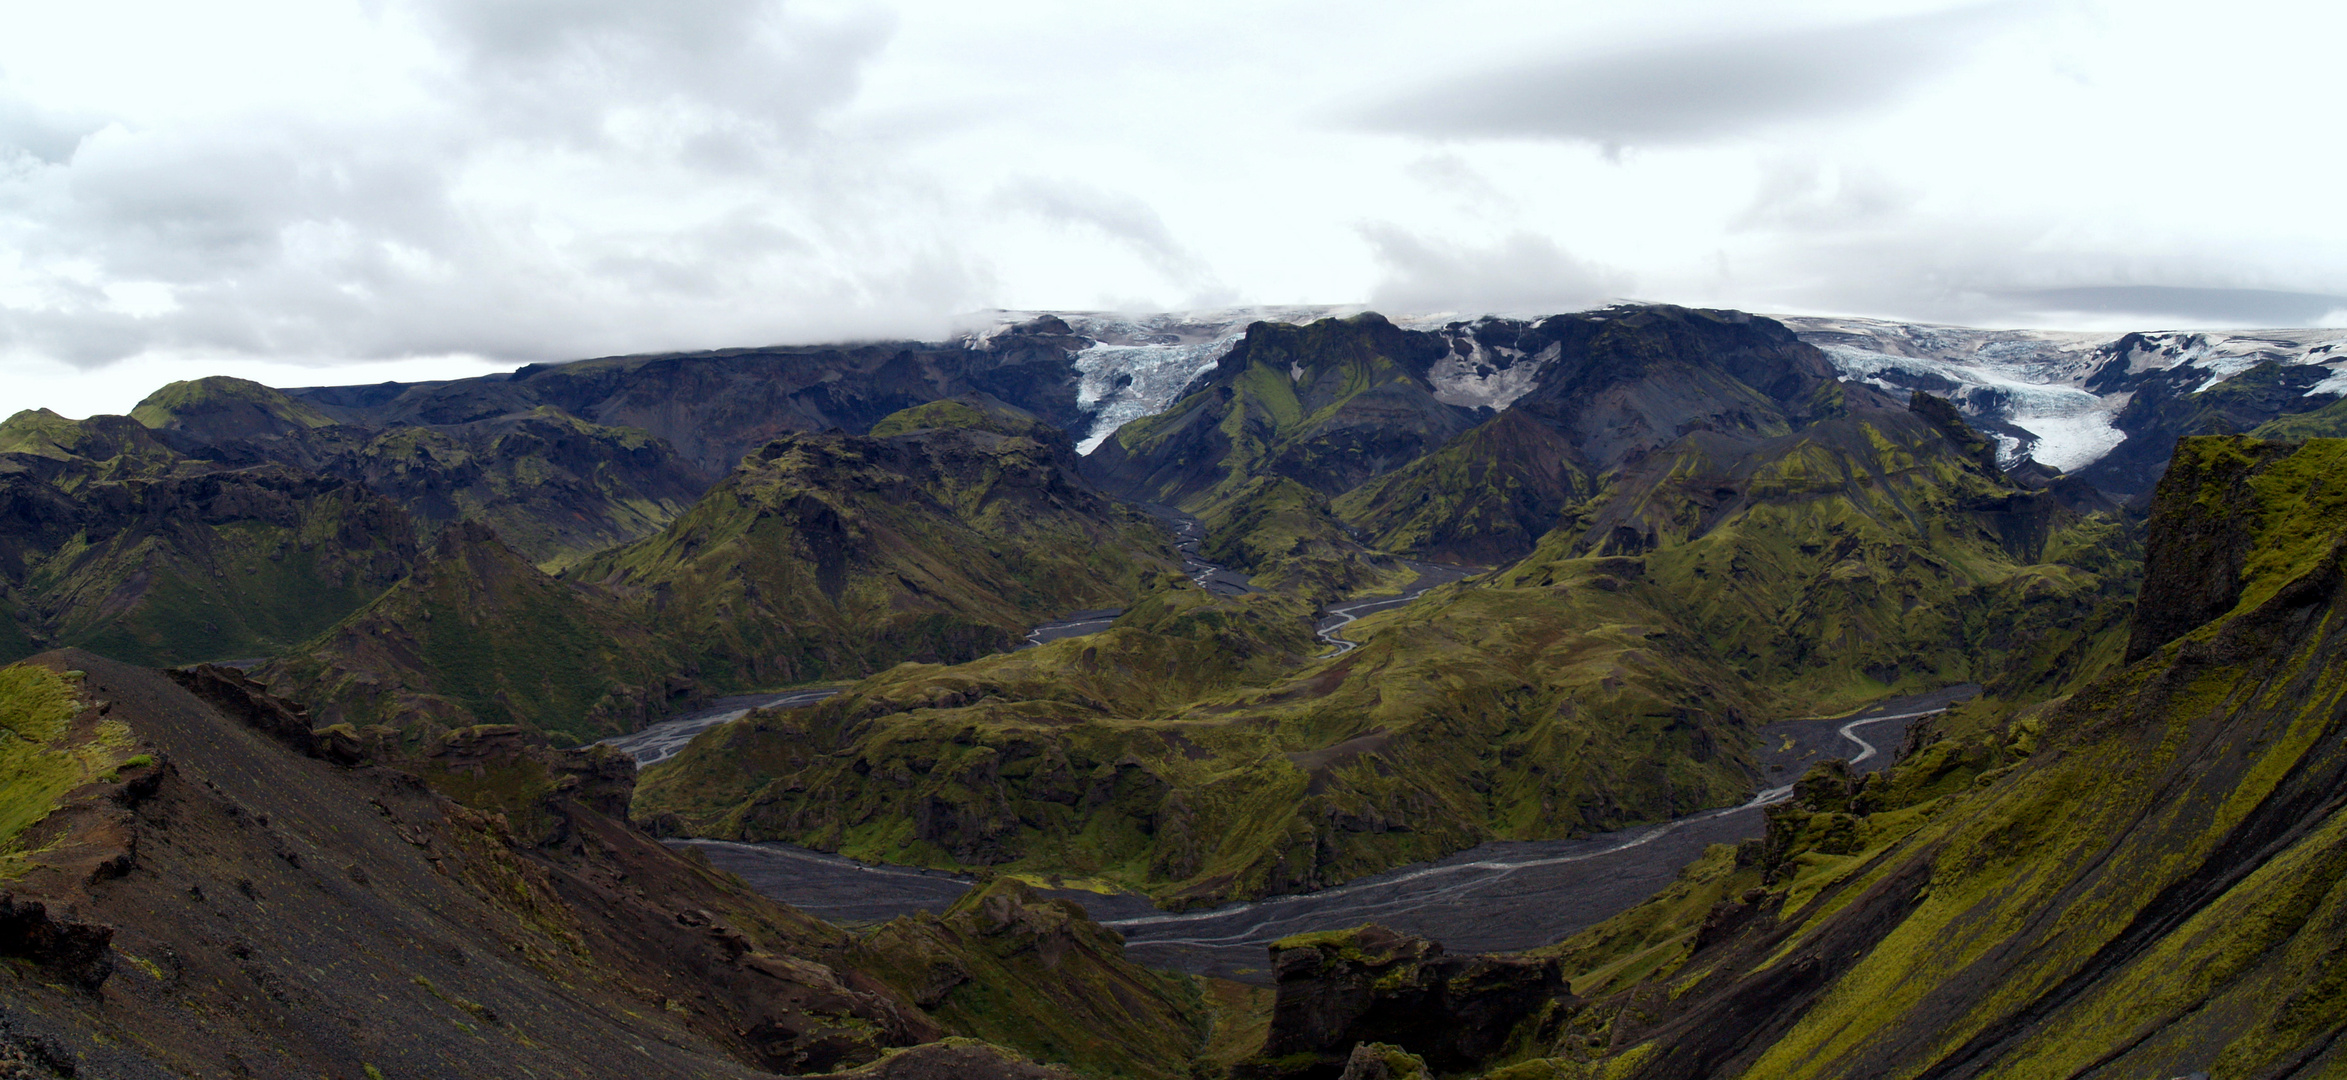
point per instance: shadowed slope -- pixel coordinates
(835, 554)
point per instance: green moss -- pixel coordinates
(832, 556)
(180, 402)
(1038, 976)
(2328, 422)
(46, 752)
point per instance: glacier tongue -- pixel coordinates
(1139, 363)
(2055, 394)
(1123, 383)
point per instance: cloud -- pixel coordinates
(1694, 89)
(1120, 217)
(42, 134)
(2020, 271)
(566, 179)
(2241, 307)
(1522, 274)
(564, 67)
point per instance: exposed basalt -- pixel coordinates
(1340, 990)
(2197, 540)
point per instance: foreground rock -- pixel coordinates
(198, 885)
(1341, 991)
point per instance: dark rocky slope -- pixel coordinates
(716, 406)
(557, 487)
(211, 900)
(193, 881)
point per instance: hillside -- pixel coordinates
(558, 488)
(2138, 879)
(193, 882)
(116, 542)
(1198, 751)
(476, 635)
(941, 539)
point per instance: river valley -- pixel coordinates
(1498, 896)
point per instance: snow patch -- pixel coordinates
(1487, 377)
(2335, 384)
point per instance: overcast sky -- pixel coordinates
(317, 191)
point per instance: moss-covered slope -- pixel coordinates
(1190, 750)
(1328, 405)
(477, 635)
(556, 487)
(1868, 553)
(1292, 416)
(827, 555)
(112, 541)
(1615, 676)
(1015, 968)
(2147, 880)
(1484, 498)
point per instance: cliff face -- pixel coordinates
(1341, 991)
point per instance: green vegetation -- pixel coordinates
(555, 487)
(1616, 675)
(1296, 414)
(2142, 876)
(1283, 535)
(48, 748)
(2328, 422)
(1012, 967)
(479, 636)
(1485, 497)
(831, 555)
(148, 556)
(221, 404)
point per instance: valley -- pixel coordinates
(1635, 692)
(1496, 897)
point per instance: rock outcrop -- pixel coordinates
(1341, 991)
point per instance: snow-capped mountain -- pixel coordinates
(2065, 399)
(2061, 397)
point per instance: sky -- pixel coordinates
(339, 191)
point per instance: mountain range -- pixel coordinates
(1351, 593)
